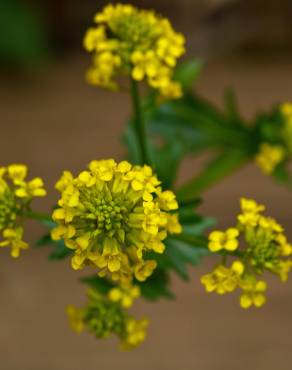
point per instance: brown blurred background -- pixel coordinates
(51, 120)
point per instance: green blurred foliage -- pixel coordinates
(23, 40)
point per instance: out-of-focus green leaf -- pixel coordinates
(187, 73)
(186, 248)
(166, 161)
(218, 168)
(102, 285)
(22, 36)
(59, 249)
(156, 286)
(282, 174)
(231, 109)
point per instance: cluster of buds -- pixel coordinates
(105, 315)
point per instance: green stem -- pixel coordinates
(37, 216)
(139, 123)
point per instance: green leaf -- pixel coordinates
(102, 285)
(166, 161)
(22, 37)
(60, 251)
(156, 286)
(179, 254)
(224, 164)
(232, 113)
(188, 72)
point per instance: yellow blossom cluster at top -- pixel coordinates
(16, 195)
(139, 43)
(265, 248)
(111, 215)
(104, 316)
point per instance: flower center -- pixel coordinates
(108, 213)
(110, 216)
(134, 30)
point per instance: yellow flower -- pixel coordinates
(125, 294)
(283, 269)
(286, 109)
(13, 238)
(16, 195)
(269, 157)
(227, 240)
(264, 248)
(134, 42)
(253, 292)
(111, 215)
(285, 247)
(135, 333)
(144, 269)
(250, 212)
(76, 318)
(223, 279)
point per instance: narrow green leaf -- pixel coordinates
(224, 164)
(187, 73)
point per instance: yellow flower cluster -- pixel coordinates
(111, 215)
(129, 41)
(265, 248)
(16, 195)
(269, 157)
(104, 316)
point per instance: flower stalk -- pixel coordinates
(139, 123)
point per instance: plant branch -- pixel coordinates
(37, 216)
(139, 123)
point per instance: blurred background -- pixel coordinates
(51, 120)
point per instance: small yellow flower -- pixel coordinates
(144, 269)
(227, 240)
(135, 333)
(137, 43)
(13, 238)
(286, 109)
(250, 212)
(76, 318)
(223, 279)
(253, 292)
(283, 269)
(285, 247)
(111, 215)
(125, 294)
(269, 157)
